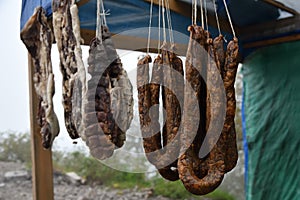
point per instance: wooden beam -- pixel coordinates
(281, 6)
(42, 172)
(82, 2)
(267, 31)
(272, 41)
(185, 9)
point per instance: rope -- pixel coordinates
(104, 13)
(206, 18)
(164, 22)
(229, 18)
(195, 12)
(170, 23)
(158, 44)
(99, 23)
(217, 17)
(149, 30)
(202, 17)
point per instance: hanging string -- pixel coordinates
(41, 3)
(149, 30)
(164, 22)
(104, 13)
(195, 12)
(202, 17)
(217, 17)
(158, 44)
(229, 18)
(206, 18)
(170, 23)
(99, 22)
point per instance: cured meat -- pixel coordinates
(193, 133)
(66, 44)
(79, 91)
(201, 176)
(218, 44)
(109, 106)
(230, 70)
(37, 37)
(172, 95)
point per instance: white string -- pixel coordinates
(229, 18)
(205, 10)
(104, 14)
(99, 23)
(202, 17)
(195, 12)
(158, 44)
(217, 17)
(193, 8)
(164, 22)
(170, 23)
(149, 30)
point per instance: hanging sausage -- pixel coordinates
(201, 175)
(161, 146)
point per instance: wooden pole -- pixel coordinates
(42, 171)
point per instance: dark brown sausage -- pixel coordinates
(230, 69)
(218, 45)
(172, 95)
(195, 179)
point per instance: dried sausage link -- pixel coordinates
(230, 70)
(195, 179)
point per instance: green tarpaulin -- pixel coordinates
(272, 122)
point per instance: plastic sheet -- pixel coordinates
(271, 121)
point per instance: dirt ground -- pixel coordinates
(21, 188)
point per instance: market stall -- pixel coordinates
(266, 31)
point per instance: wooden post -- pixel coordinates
(42, 171)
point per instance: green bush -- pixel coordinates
(176, 190)
(96, 172)
(15, 147)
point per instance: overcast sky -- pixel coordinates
(14, 112)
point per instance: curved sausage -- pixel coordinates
(230, 70)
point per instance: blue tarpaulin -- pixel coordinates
(131, 14)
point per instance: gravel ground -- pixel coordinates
(21, 188)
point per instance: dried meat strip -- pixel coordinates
(37, 37)
(109, 108)
(80, 88)
(66, 44)
(97, 108)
